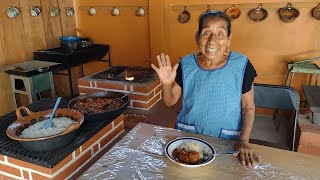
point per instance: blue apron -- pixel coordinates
(211, 103)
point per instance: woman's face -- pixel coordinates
(213, 40)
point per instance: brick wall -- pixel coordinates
(308, 135)
(11, 168)
(144, 95)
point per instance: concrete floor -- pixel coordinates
(264, 132)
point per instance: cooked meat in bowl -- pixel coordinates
(93, 105)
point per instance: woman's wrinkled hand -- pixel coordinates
(246, 155)
(166, 73)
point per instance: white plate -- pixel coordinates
(176, 143)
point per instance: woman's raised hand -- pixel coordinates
(166, 73)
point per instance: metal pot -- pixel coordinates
(184, 16)
(103, 115)
(316, 12)
(288, 14)
(44, 143)
(258, 14)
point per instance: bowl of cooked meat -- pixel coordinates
(190, 152)
(100, 106)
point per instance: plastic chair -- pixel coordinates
(278, 97)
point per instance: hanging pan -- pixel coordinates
(316, 12)
(233, 12)
(288, 14)
(208, 10)
(184, 16)
(258, 14)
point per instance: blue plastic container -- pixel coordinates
(70, 43)
(69, 39)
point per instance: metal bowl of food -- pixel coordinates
(29, 130)
(100, 106)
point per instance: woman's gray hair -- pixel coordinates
(213, 14)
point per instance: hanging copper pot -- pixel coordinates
(208, 10)
(316, 12)
(258, 14)
(289, 14)
(184, 16)
(233, 12)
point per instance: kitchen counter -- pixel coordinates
(140, 155)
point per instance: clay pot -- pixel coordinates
(233, 12)
(289, 14)
(258, 14)
(316, 12)
(184, 16)
(44, 143)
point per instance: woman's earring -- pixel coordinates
(228, 49)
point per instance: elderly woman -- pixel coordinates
(216, 86)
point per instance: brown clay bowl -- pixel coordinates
(44, 143)
(184, 16)
(258, 14)
(316, 12)
(289, 14)
(233, 12)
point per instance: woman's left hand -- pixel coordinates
(246, 155)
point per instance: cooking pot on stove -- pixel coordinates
(105, 115)
(44, 143)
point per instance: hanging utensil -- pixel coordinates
(233, 12)
(92, 11)
(208, 10)
(140, 12)
(184, 16)
(258, 14)
(316, 12)
(115, 11)
(289, 14)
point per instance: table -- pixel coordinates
(71, 59)
(140, 155)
